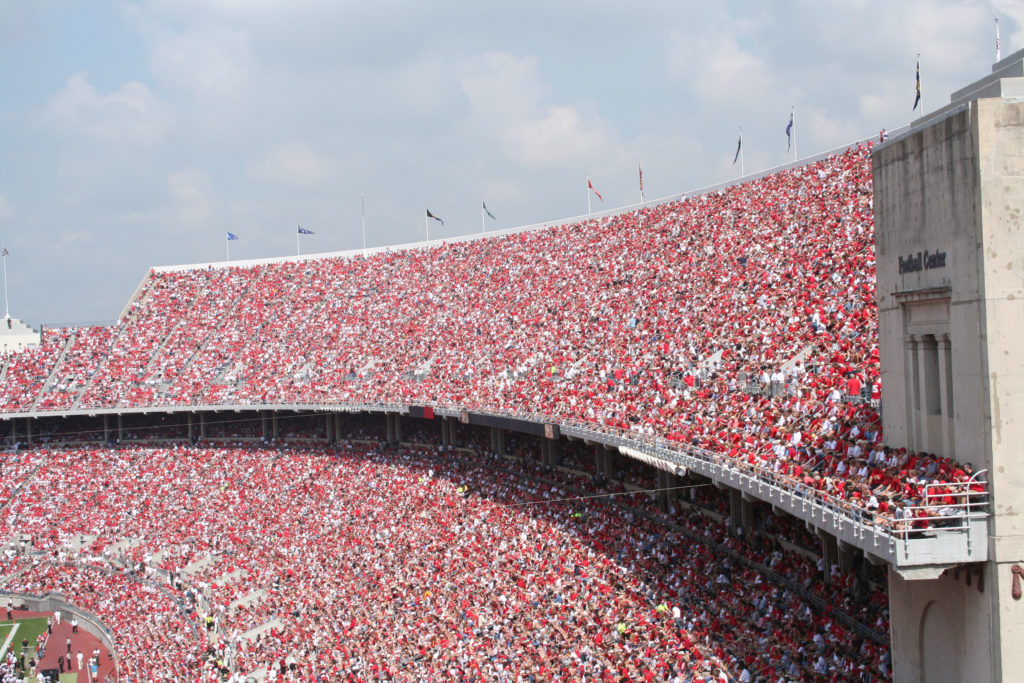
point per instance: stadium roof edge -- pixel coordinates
(524, 228)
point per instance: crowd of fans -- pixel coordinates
(742, 322)
(358, 563)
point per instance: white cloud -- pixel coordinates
(192, 192)
(292, 164)
(201, 60)
(506, 94)
(6, 208)
(129, 115)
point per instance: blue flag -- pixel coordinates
(303, 231)
(232, 236)
(789, 132)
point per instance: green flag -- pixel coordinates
(487, 211)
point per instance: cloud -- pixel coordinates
(201, 60)
(130, 115)
(506, 98)
(192, 195)
(293, 164)
(6, 208)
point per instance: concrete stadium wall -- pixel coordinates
(950, 265)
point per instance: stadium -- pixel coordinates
(759, 432)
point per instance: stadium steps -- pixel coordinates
(229, 577)
(3, 372)
(211, 335)
(81, 541)
(265, 627)
(247, 600)
(55, 371)
(801, 355)
(16, 489)
(199, 565)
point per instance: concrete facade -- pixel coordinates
(949, 228)
(16, 335)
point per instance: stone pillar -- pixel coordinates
(946, 392)
(120, 427)
(389, 428)
(846, 555)
(494, 439)
(599, 458)
(263, 426)
(273, 425)
(920, 343)
(610, 455)
(202, 425)
(445, 437)
(328, 428)
(735, 509)
(191, 427)
(106, 428)
(398, 428)
(502, 448)
(911, 388)
(28, 430)
(829, 553)
(747, 513)
(337, 427)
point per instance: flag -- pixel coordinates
(232, 236)
(591, 186)
(789, 132)
(917, 75)
(640, 169)
(738, 146)
(6, 253)
(485, 210)
(430, 215)
(303, 231)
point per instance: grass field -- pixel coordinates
(28, 629)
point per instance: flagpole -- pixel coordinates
(227, 246)
(588, 195)
(920, 89)
(741, 152)
(998, 52)
(7, 308)
(298, 243)
(362, 201)
(483, 216)
(793, 114)
(426, 226)
(640, 169)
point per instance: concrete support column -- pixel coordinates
(273, 424)
(829, 553)
(329, 428)
(389, 428)
(337, 427)
(920, 344)
(191, 427)
(846, 555)
(747, 515)
(911, 387)
(945, 392)
(502, 446)
(28, 430)
(398, 428)
(263, 426)
(202, 425)
(610, 454)
(445, 436)
(735, 509)
(106, 428)
(120, 427)
(494, 439)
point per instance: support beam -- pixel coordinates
(28, 430)
(735, 509)
(263, 425)
(329, 428)
(202, 426)
(191, 427)
(106, 428)
(120, 427)
(398, 428)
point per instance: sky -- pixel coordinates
(137, 134)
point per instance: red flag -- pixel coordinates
(6, 253)
(591, 186)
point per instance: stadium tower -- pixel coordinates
(949, 194)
